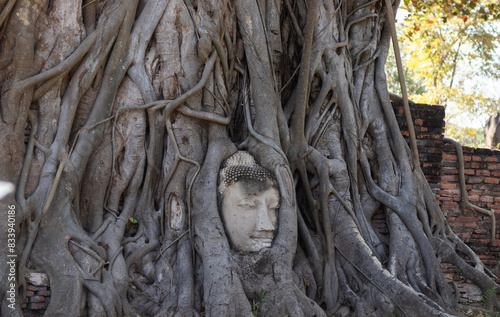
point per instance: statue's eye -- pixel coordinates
(273, 206)
(246, 205)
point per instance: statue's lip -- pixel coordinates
(265, 238)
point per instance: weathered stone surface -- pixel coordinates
(37, 279)
(472, 292)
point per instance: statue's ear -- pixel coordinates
(287, 219)
(285, 183)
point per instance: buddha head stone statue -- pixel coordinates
(249, 200)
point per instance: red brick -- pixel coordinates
(37, 306)
(449, 193)
(419, 121)
(480, 231)
(448, 157)
(467, 158)
(475, 180)
(494, 207)
(449, 178)
(467, 219)
(476, 158)
(37, 299)
(486, 199)
(484, 242)
(462, 230)
(496, 243)
(469, 171)
(491, 180)
(466, 234)
(483, 172)
(434, 150)
(30, 293)
(495, 173)
(491, 159)
(481, 236)
(473, 198)
(448, 186)
(494, 166)
(488, 257)
(449, 171)
(44, 293)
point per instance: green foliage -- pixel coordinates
(256, 304)
(446, 45)
(466, 136)
(414, 84)
(489, 294)
(448, 35)
(132, 220)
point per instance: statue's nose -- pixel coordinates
(263, 221)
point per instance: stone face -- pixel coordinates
(250, 217)
(249, 200)
(37, 279)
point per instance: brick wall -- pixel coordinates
(482, 178)
(37, 294)
(428, 121)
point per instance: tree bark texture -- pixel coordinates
(116, 116)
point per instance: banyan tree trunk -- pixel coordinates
(116, 116)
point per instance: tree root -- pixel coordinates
(449, 255)
(465, 204)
